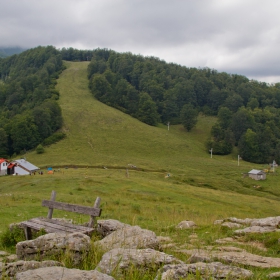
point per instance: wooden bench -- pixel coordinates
(52, 225)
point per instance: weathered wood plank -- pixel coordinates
(50, 213)
(55, 226)
(72, 208)
(92, 220)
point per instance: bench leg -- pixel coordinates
(27, 232)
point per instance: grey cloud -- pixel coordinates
(234, 35)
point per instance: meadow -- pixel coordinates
(147, 176)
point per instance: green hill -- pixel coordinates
(101, 145)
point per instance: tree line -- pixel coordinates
(148, 89)
(154, 91)
(29, 112)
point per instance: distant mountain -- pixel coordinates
(5, 52)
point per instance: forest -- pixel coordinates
(154, 91)
(147, 88)
(29, 112)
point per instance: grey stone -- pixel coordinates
(121, 259)
(11, 269)
(132, 237)
(237, 257)
(106, 227)
(256, 229)
(186, 225)
(216, 270)
(62, 273)
(76, 244)
(274, 275)
(231, 225)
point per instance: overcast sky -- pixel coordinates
(235, 36)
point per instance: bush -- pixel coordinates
(54, 138)
(11, 237)
(40, 149)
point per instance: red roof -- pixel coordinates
(11, 165)
(3, 160)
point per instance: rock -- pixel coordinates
(106, 227)
(216, 270)
(186, 225)
(11, 258)
(3, 253)
(11, 269)
(121, 259)
(225, 240)
(218, 222)
(129, 237)
(62, 273)
(230, 225)
(237, 257)
(246, 221)
(54, 244)
(266, 222)
(273, 275)
(256, 229)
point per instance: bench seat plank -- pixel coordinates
(50, 225)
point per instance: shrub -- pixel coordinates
(54, 138)
(40, 149)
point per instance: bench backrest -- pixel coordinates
(94, 211)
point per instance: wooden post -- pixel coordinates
(51, 209)
(92, 218)
(27, 233)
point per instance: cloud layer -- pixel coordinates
(239, 37)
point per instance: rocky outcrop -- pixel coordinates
(11, 269)
(75, 244)
(132, 237)
(215, 270)
(121, 259)
(231, 255)
(62, 273)
(263, 225)
(106, 227)
(128, 246)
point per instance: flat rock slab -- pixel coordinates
(215, 270)
(121, 259)
(62, 273)
(257, 229)
(132, 237)
(243, 258)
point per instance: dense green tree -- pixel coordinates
(189, 116)
(249, 146)
(147, 110)
(3, 143)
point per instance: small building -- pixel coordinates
(23, 167)
(257, 174)
(3, 166)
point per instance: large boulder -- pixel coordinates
(132, 237)
(106, 227)
(215, 270)
(62, 273)
(11, 269)
(121, 259)
(76, 244)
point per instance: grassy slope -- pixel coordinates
(199, 188)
